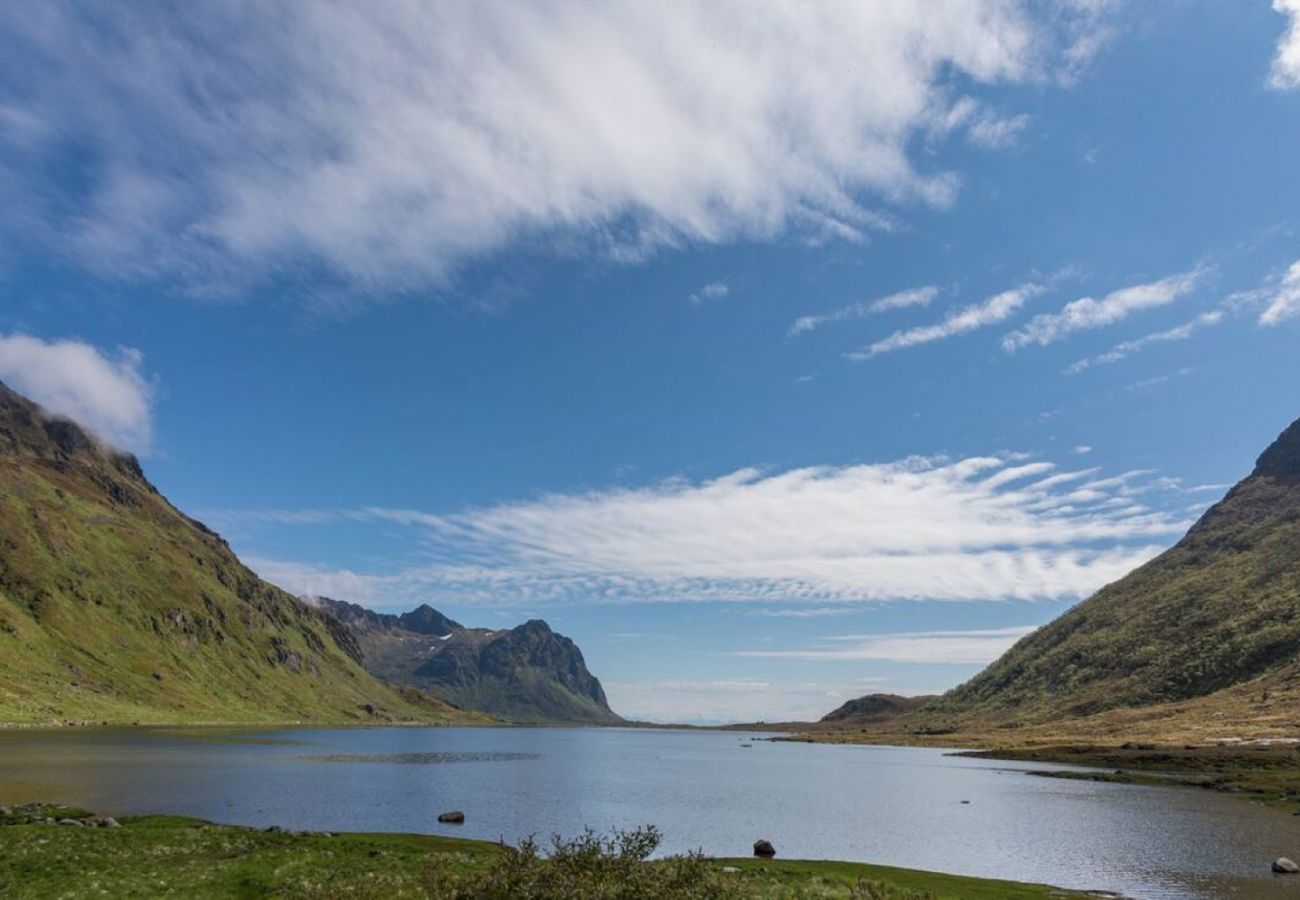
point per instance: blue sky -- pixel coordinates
(776, 356)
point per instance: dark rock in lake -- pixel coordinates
(1284, 866)
(764, 849)
(456, 817)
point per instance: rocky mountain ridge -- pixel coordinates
(526, 674)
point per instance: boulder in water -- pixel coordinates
(455, 817)
(764, 849)
(1284, 866)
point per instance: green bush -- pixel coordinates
(588, 867)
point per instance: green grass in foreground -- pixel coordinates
(161, 856)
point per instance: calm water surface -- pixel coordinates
(898, 806)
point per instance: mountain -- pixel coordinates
(875, 708)
(116, 607)
(1205, 619)
(523, 674)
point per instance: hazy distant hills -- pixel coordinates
(1211, 627)
(114, 606)
(523, 674)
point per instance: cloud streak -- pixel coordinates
(1285, 73)
(920, 296)
(106, 393)
(981, 528)
(1283, 299)
(960, 647)
(997, 308)
(386, 146)
(1128, 348)
(1087, 312)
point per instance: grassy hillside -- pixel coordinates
(116, 607)
(874, 708)
(1210, 616)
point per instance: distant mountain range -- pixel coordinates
(523, 674)
(116, 607)
(1205, 636)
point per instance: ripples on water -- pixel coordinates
(914, 807)
(419, 759)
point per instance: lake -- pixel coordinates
(704, 790)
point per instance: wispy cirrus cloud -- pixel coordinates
(997, 308)
(388, 145)
(959, 647)
(808, 612)
(920, 296)
(105, 392)
(714, 290)
(1285, 73)
(1087, 312)
(1282, 298)
(1128, 348)
(980, 528)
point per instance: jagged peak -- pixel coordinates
(1282, 458)
(424, 619)
(534, 626)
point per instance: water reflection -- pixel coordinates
(913, 807)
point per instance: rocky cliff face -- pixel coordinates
(527, 674)
(114, 606)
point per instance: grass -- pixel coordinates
(117, 608)
(167, 856)
(1219, 609)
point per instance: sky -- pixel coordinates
(776, 353)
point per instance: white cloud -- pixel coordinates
(809, 612)
(390, 144)
(1128, 348)
(995, 132)
(1283, 299)
(975, 646)
(1159, 379)
(996, 309)
(982, 528)
(914, 297)
(105, 393)
(984, 127)
(1082, 448)
(1285, 74)
(714, 290)
(1088, 313)
(709, 702)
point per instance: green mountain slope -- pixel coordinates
(523, 674)
(873, 708)
(114, 606)
(1220, 608)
